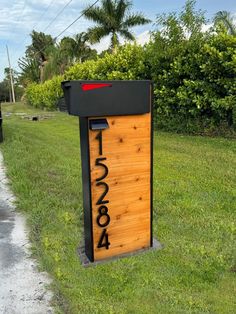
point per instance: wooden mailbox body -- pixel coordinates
(116, 150)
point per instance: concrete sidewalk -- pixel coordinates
(22, 287)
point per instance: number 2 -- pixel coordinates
(104, 193)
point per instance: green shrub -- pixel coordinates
(127, 64)
(45, 95)
(193, 73)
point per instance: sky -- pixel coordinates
(19, 17)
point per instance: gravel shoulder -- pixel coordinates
(23, 289)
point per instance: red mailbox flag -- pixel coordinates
(86, 87)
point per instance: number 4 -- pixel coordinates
(103, 241)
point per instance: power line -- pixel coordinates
(22, 12)
(76, 19)
(41, 16)
(44, 12)
(58, 14)
(55, 38)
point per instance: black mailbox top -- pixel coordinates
(107, 98)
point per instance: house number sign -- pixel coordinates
(120, 184)
(103, 218)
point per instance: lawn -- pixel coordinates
(194, 217)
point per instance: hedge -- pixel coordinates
(194, 80)
(127, 64)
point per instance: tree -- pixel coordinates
(193, 71)
(40, 44)
(226, 19)
(30, 70)
(66, 53)
(45, 58)
(55, 64)
(113, 18)
(4, 91)
(39, 49)
(77, 48)
(5, 87)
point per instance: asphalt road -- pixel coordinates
(22, 286)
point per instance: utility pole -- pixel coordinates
(11, 78)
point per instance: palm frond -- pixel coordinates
(95, 34)
(221, 15)
(134, 20)
(227, 20)
(113, 17)
(126, 34)
(122, 8)
(100, 16)
(95, 14)
(109, 7)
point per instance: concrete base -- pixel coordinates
(86, 262)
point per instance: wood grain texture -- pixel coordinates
(127, 147)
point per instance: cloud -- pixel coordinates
(206, 27)
(104, 44)
(23, 15)
(46, 3)
(19, 17)
(143, 38)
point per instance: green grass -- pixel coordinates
(194, 217)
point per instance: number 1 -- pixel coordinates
(99, 138)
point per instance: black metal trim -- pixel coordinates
(86, 182)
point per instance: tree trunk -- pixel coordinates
(43, 63)
(114, 43)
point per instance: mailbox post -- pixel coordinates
(116, 152)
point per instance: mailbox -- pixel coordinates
(116, 152)
(1, 135)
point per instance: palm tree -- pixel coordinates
(67, 52)
(77, 48)
(30, 70)
(113, 18)
(39, 48)
(225, 18)
(55, 64)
